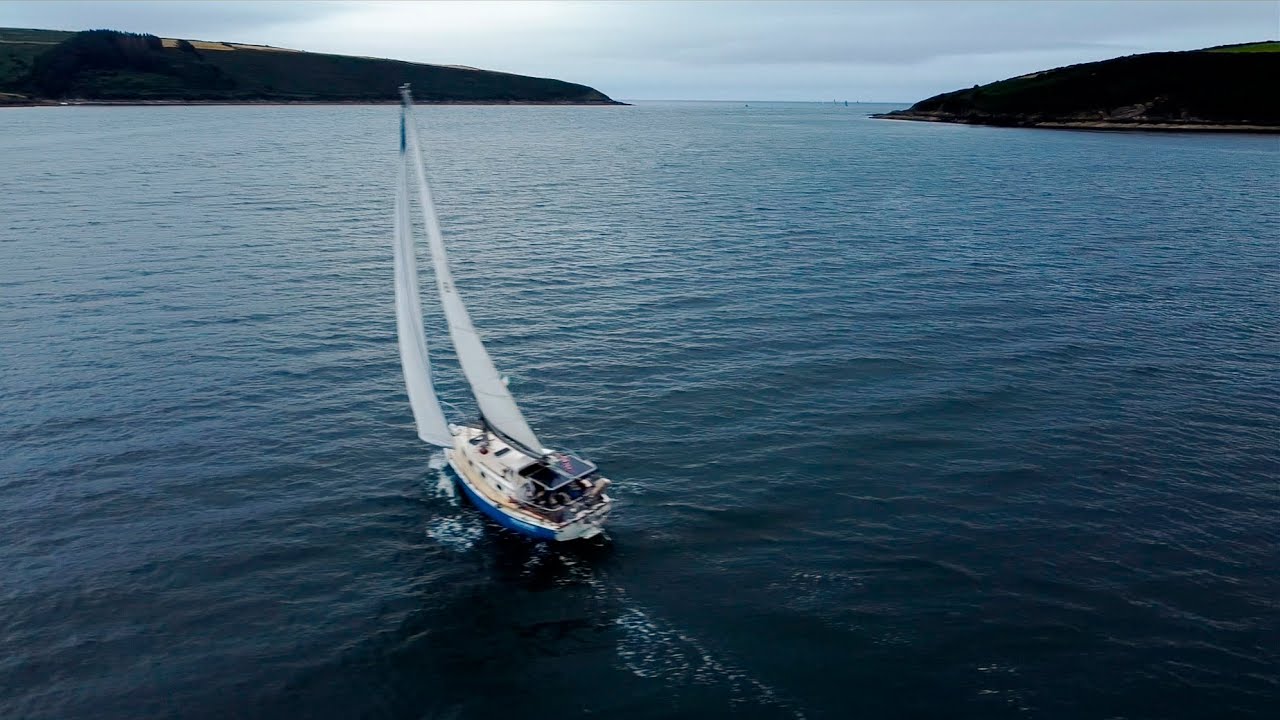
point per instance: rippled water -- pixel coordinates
(905, 420)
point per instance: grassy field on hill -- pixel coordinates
(109, 66)
(1269, 47)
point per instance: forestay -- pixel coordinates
(427, 414)
(497, 407)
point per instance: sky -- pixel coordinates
(702, 50)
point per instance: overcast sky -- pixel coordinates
(868, 51)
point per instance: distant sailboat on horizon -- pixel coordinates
(499, 462)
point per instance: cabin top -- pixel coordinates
(571, 466)
(560, 469)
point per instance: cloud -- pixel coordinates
(209, 20)
(899, 51)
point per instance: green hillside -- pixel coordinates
(110, 66)
(1269, 46)
(1225, 88)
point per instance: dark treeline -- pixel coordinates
(94, 52)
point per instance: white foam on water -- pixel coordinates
(443, 486)
(654, 649)
(436, 461)
(456, 533)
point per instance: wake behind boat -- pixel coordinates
(500, 464)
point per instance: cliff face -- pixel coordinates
(1230, 88)
(109, 66)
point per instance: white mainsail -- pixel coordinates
(427, 414)
(497, 407)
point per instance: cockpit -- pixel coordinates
(561, 479)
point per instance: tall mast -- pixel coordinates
(497, 408)
(414, 360)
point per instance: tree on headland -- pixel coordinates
(53, 72)
(56, 72)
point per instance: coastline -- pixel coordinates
(1064, 124)
(184, 103)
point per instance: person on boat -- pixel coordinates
(540, 497)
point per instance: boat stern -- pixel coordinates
(587, 525)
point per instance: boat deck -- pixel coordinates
(483, 470)
(505, 478)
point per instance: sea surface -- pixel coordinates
(905, 420)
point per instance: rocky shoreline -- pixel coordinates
(1078, 123)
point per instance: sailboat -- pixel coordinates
(500, 464)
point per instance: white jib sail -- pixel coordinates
(427, 414)
(496, 404)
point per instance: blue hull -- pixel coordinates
(502, 518)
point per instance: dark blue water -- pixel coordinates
(905, 420)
